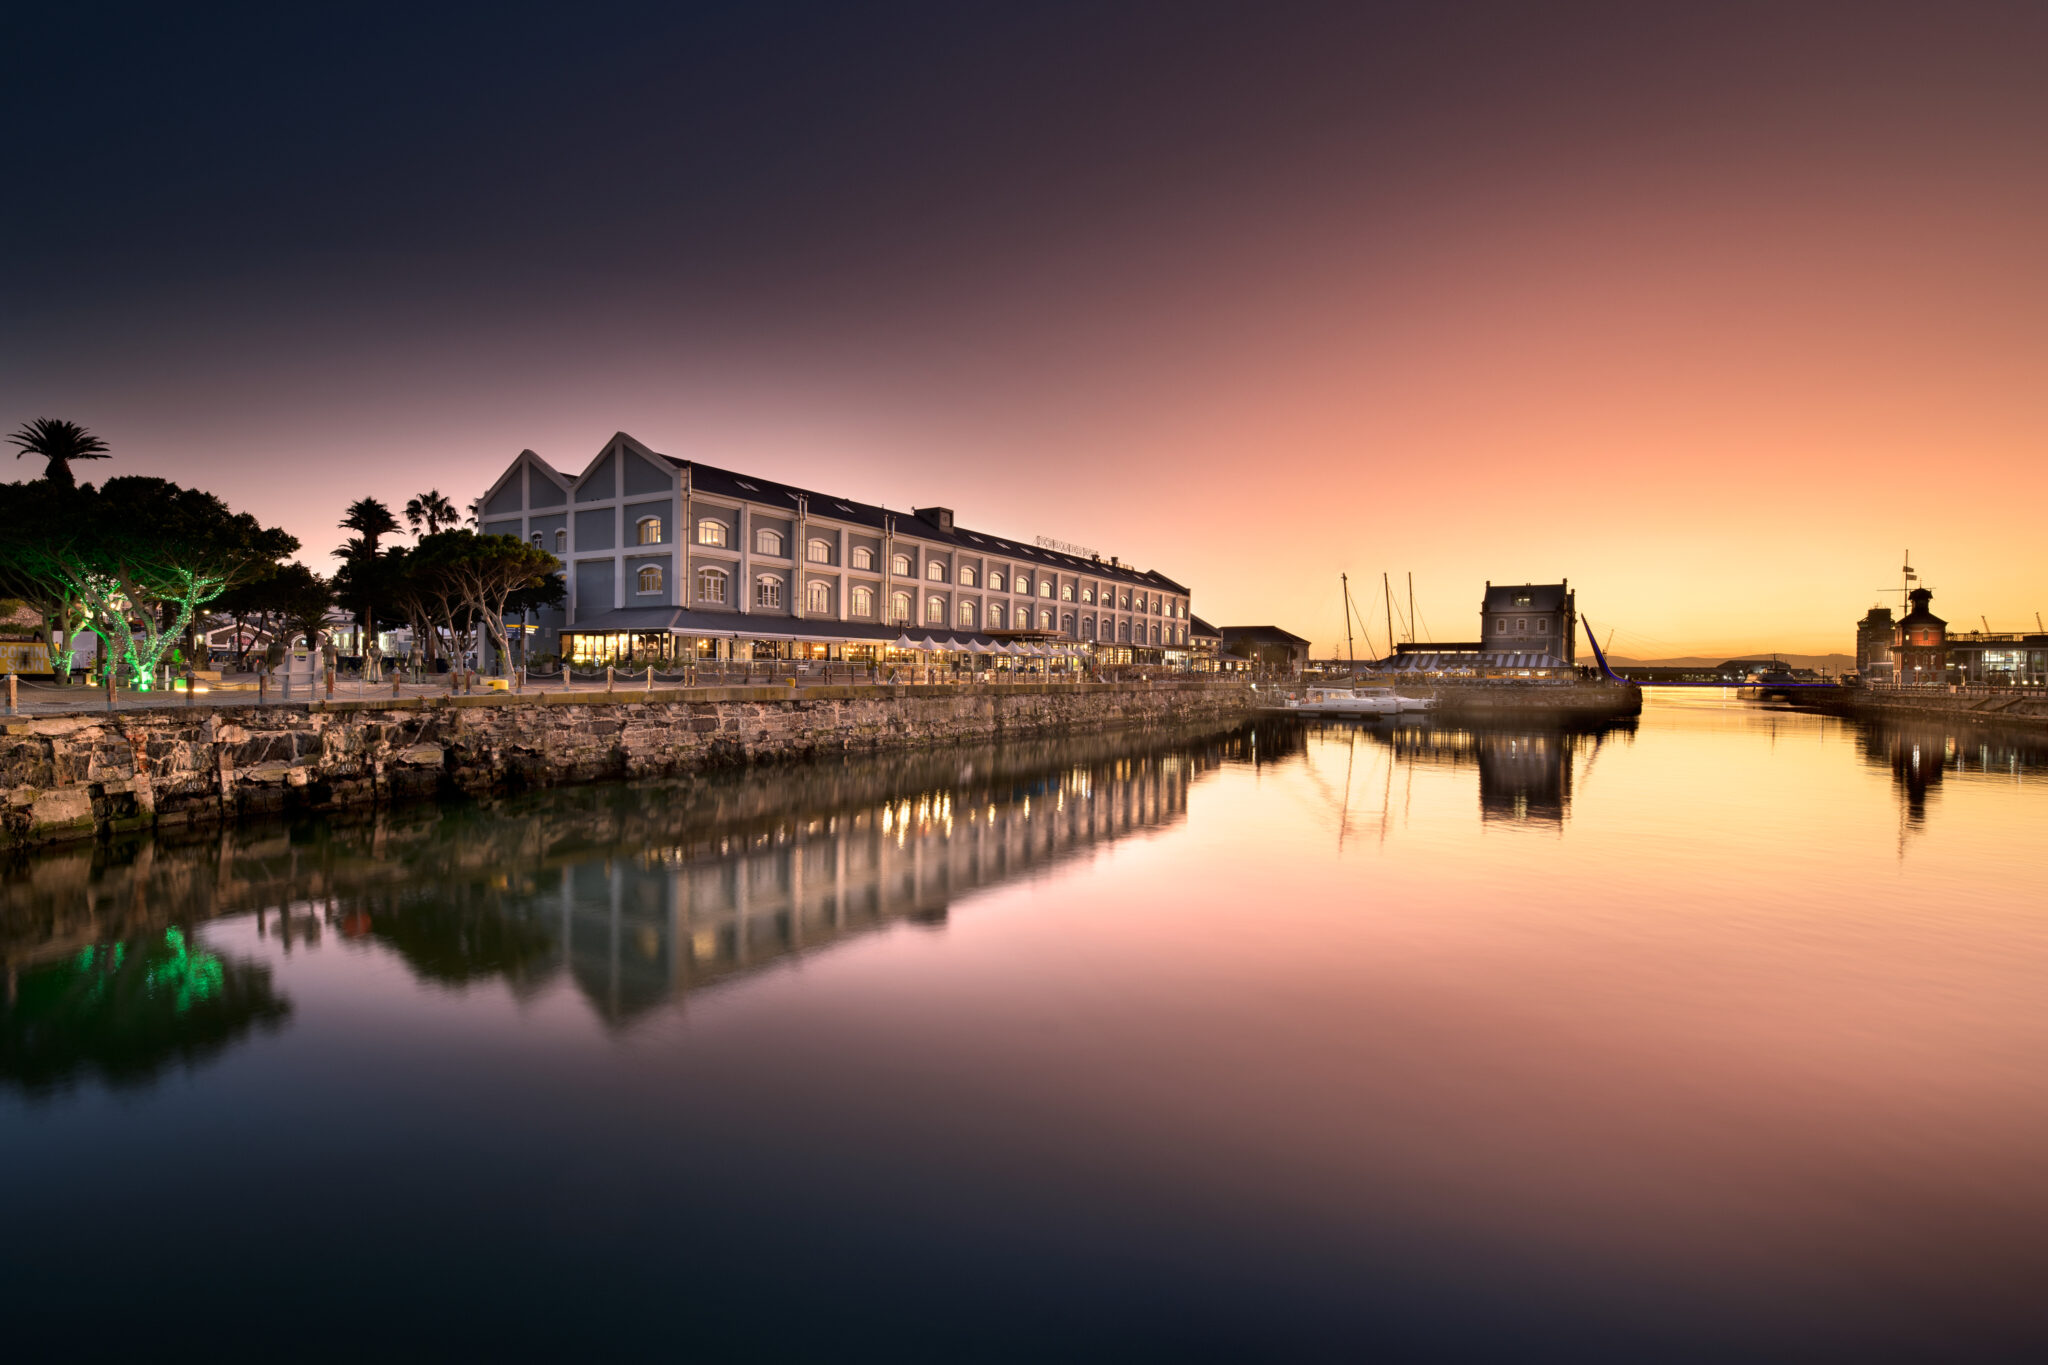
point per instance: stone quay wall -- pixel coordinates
(75, 776)
(2002, 706)
(1531, 701)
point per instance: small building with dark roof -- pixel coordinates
(1530, 618)
(1267, 648)
(1920, 642)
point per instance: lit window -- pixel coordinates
(767, 591)
(1066, 592)
(1045, 587)
(711, 531)
(995, 616)
(650, 578)
(900, 564)
(767, 542)
(1125, 602)
(818, 597)
(899, 607)
(966, 575)
(818, 552)
(647, 531)
(710, 585)
(1087, 595)
(1045, 620)
(863, 601)
(1022, 584)
(965, 615)
(995, 580)
(863, 558)
(935, 610)
(935, 570)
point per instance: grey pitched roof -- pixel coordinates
(1197, 626)
(1542, 596)
(726, 483)
(1261, 635)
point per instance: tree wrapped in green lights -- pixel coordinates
(142, 556)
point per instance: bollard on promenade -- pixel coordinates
(610, 674)
(13, 702)
(650, 677)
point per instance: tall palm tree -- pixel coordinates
(59, 442)
(431, 509)
(371, 520)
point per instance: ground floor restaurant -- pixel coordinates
(1041, 653)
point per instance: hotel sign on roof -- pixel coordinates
(1078, 551)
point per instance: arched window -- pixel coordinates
(650, 578)
(1521, 625)
(1087, 627)
(1125, 603)
(964, 616)
(1123, 631)
(767, 591)
(767, 541)
(995, 616)
(935, 570)
(1066, 592)
(1500, 623)
(818, 597)
(1155, 635)
(536, 541)
(711, 585)
(647, 531)
(966, 575)
(1087, 595)
(818, 552)
(1021, 584)
(1045, 587)
(899, 608)
(562, 541)
(1067, 623)
(935, 610)
(863, 601)
(863, 558)
(1045, 620)
(711, 531)
(900, 565)
(995, 580)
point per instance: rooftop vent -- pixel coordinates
(941, 517)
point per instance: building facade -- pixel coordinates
(1919, 645)
(1533, 618)
(1875, 635)
(670, 558)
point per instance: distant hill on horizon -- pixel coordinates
(1832, 663)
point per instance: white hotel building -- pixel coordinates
(671, 559)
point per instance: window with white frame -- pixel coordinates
(711, 531)
(711, 585)
(562, 540)
(1021, 584)
(1045, 587)
(861, 601)
(1066, 592)
(1155, 635)
(995, 616)
(995, 580)
(935, 570)
(963, 615)
(767, 591)
(1087, 596)
(1521, 625)
(966, 575)
(900, 565)
(537, 541)
(1067, 623)
(647, 531)
(1087, 627)
(1543, 625)
(767, 541)
(935, 610)
(863, 558)
(1125, 603)
(818, 598)
(1045, 620)
(649, 578)
(1500, 623)
(899, 607)
(818, 551)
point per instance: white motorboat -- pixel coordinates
(1356, 701)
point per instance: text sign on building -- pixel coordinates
(1079, 551)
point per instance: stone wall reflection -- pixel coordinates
(637, 892)
(1921, 755)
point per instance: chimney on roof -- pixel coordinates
(1112, 561)
(941, 517)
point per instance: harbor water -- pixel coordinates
(1717, 1034)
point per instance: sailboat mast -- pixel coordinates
(1349, 653)
(1411, 606)
(1387, 590)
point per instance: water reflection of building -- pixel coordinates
(1921, 756)
(637, 892)
(1525, 774)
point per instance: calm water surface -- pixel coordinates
(1719, 1036)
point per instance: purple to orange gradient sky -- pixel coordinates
(1713, 310)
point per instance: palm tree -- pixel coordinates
(432, 509)
(58, 442)
(372, 521)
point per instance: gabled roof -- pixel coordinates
(1261, 635)
(1542, 596)
(1197, 626)
(718, 482)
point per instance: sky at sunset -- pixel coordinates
(1712, 309)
